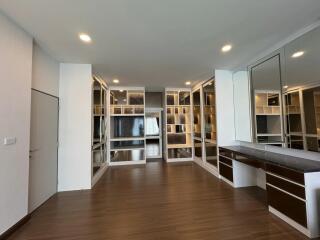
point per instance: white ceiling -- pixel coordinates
(158, 43)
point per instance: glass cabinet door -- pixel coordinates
(210, 136)
(197, 123)
(204, 123)
(99, 125)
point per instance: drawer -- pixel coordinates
(249, 161)
(288, 205)
(225, 152)
(286, 173)
(290, 187)
(225, 160)
(226, 171)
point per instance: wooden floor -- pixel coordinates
(157, 201)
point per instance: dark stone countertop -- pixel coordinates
(294, 163)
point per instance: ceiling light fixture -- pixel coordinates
(188, 83)
(297, 54)
(115, 81)
(121, 90)
(85, 38)
(285, 87)
(226, 48)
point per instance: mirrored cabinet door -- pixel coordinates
(210, 126)
(99, 126)
(197, 123)
(205, 127)
(267, 102)
(302, 92)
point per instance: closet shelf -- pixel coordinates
(179, 146)
(127, 148)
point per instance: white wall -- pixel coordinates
(225, 108)
(15, 98)
(45, 71)
(242, 117)
(74, 165)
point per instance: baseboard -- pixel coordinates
(176, 160)
(15, 227)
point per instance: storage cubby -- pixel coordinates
(179, 153)
(179, 143)
(127, 126)
(126, 102)
(127, 156)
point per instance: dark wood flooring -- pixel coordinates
(157, 201)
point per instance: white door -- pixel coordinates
(43, 148)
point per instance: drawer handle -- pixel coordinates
(225, 164)
(226, 157)
(292, 195)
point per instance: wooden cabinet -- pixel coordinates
(293, 195)
(286, 192)
(292, 207)
(226, 171)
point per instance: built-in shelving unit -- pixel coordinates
(178, 119)
(127, 126)
(99, 123)
(268, 117)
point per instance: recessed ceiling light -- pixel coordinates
(85, 38)
(121, 90)
(285, 87)
(188, 83)
(297, 54)
(115, 81)
(226, 48)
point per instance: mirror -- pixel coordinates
(267, 107)
(285, 94)
(302, 92)
(210, 123)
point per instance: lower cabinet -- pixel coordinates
(225, 168)
(290, 206)
(292, 195)
(285, 195)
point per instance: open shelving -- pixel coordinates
(179, 142)
(268, 117)
(127, 126)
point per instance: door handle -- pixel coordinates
(33, 150)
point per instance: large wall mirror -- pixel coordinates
(266, 94)
(302, 92)
(285, 95)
